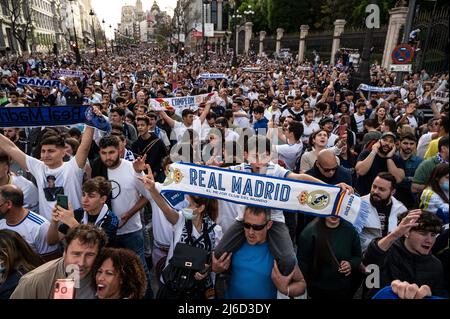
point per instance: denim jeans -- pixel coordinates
(135, 242)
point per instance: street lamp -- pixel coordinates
(104, 34)
(76, 49)
(205, 39)
(91, 13)
(112, 46)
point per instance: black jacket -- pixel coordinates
(399, 263)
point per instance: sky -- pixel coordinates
(110, 10)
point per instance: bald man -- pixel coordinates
(327, 169)
(31, 226)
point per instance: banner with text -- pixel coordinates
(365, 87)
(52, 116)
(37, 82)
(69, 73)
(178, 104)
(321, 200)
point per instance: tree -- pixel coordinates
(21, 21)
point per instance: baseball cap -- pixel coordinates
(389, 134)
(97, 83)
(325, 120)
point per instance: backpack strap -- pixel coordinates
(206, 232)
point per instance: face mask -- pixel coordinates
(444, 186)
(188, 213)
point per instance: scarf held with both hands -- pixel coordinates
(250, 189)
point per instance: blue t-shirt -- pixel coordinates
(251, 270)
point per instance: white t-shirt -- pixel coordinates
(228, 213)
(126, 189)
(272, 170)
(423, 144)
(411, 119)
(33, 228)
(179, 129)
(359, 119)
(289, 153)
(242, 121)
(231, 136)
(332, 140)
(30, 192)
(308, 130)
(162, 228)
(67, 180)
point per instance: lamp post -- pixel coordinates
(112, 47)
(91, 13)
(104, 35)
(76, 49)
(204, 37)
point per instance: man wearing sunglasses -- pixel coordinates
(254, 271)
(327, 169)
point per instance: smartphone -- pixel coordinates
(64, 289)
(63, 201)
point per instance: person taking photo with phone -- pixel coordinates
(83, 244)
(94, 211)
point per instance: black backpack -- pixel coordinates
(186, 261)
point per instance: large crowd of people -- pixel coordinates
(118, 237)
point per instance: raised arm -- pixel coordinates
(8, 147)
(149, 183)
(83, 150)
(206, 110)
(166, 118)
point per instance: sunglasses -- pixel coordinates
(327, 170)
(254, 227)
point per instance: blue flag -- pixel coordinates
(52, 116)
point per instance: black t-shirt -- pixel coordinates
(42, 100)
(364, 183)
(155, 153)
(109, 223)
(383, 213)
(73, 98)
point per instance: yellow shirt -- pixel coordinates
(432, 149)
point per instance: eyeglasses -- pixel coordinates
(327, 170)
(255, 227)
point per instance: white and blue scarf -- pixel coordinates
(251, 189)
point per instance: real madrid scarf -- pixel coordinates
(52, 116)
(321, 200)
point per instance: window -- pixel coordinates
(214, 14)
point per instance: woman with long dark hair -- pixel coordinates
(16, 259)
(435, 197)
(329, 251)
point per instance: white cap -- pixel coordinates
(97, 83)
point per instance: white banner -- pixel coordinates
(178, 104)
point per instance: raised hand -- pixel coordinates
(148, 180)
(139, 163)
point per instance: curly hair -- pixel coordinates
(129, 268)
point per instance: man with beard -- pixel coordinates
(309, 126)
(125, 200)
(384, 209)
(408, 144)
(381, 158)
